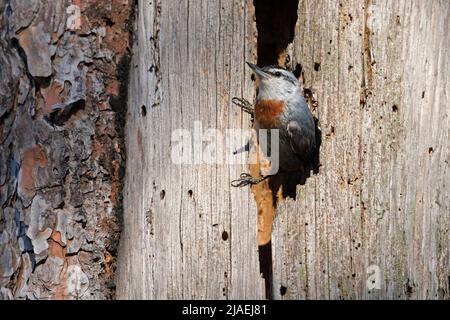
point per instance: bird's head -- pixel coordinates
(275, 82)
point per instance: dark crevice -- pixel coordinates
(283, 290)
(119, 104)
(316, 66)
(61, 114)
(297, 70)
(275, 22)
(143, 110)
(266, 267)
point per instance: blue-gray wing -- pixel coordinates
(301, 138)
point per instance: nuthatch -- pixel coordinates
(280, 105)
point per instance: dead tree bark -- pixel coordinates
(62, 107)
(187, 232)
(371, 223)
(374, 223)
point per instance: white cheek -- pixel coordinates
(269, 89)
(275, 88)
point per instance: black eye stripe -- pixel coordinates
(277, 73)
(273, 70)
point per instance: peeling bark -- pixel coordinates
(375, 74)
(62, 106)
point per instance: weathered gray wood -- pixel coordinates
(378, 71)
(189, 61)
(382, 195)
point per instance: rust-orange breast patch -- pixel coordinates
(267, 112)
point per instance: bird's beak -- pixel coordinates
(259, 72)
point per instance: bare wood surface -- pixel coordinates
(379, 71)
(188, 233)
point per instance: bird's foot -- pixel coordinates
(243, 104)
(246, 179)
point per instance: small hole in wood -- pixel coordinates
(316, 66)
(190, 193)
(430, 150)
(224, 236)
(283, 290)
(394, 108)
(162, 194)
(143, 110)
(297, 70)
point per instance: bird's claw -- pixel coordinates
(243, 104)
(245, 180)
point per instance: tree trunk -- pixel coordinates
(370, 222)
(374, 223)
(63, 67)
(368, 219)
(187, 232)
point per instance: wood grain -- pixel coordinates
(381, 197)
(188, 234)
(378, 71)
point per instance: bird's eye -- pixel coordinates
(277, 74)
